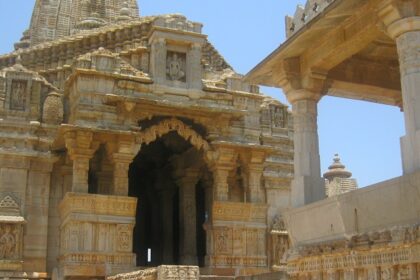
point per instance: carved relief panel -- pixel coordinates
(124, 238)
(18, 95)
(10, 238)
(11, 233)
(278, 116)
(223, 241)
(176, 66)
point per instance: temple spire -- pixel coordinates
(58, 18)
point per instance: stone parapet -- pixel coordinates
(238, 237)
(96, 234)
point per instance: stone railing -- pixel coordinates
(304, 15)
(97, 205)
(96, 235)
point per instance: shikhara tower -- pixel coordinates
(53, 19)
(123, 135)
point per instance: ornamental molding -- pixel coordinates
(173, 124)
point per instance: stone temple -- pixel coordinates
(337, 179)
(130, 149)
(128, 143)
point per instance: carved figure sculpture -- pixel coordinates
(7, 243)
(18, 96)
(175, 67)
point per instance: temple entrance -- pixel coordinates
(168, 176)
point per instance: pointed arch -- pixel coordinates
(173, 124)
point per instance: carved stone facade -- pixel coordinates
(128, 142)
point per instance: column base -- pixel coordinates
(410, 153)
(307, 190)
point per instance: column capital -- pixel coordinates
(294, 96)
(403, 25)
(399, 16)
(80, 144)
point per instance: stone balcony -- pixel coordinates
(96, 235)
(237, 237)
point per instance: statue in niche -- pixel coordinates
(7, 243)
(278, 224)
(280, 248)
(277, 116)
(18, 96)
(175, 67)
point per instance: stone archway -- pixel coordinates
(167, 176)
(173, 124)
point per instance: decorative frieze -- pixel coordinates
(380, 259)
(240, 212)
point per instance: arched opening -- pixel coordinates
(168, 178)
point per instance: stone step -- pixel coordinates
(215, 277)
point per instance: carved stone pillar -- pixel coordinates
(221, 187)
(406, 32)
(194, 75)
(121, 165)
(158, 60)
(256, 193)
(307, 185)
(80, 148)
(187, 218)
(121, 152)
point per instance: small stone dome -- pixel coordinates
(337, 170)
(53, 109)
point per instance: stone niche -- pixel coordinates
(11, 234)
(96, 235)
(175, 59)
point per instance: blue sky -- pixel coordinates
(366, 135)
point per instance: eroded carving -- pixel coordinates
(175, 66)
(18, 95)
(9, 238)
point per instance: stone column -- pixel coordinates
(256, 193)
(81, 150)
(187, 218)
(120, 181)
(307, 185)
(406, 32)
(194, 70)
(121, 152)
(221, 187)
(158, 60)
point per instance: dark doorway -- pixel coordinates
(152, 181)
